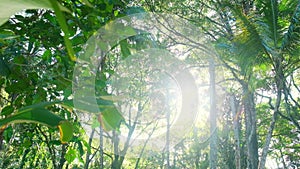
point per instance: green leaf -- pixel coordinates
(7, 34)
(110, 119)
(4, 70)
(9, 7)
(95, 123)
(47, 55)
(70, 155)
(7, 110)
(87, 3)
(291, 37)
(63, 24)
(38, 106)
(27, 143)
(66, 131)
(38, 114)
(55, 142)
(124, 48)
(80, 148)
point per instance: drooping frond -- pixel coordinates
(248, 44)
(291, 39)
(267, 23)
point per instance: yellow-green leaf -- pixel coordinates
(66, 131)
(110, 119)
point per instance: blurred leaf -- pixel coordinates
(7, 110)
(110, 119)
(134, 10)
(55, 142)
(95, 123)
(27, 143)
(87, 3)
(47, 56)
(9, 7)
(112, 98)
(7, 34)
(124, 49)
(4, 70)
(70, 155)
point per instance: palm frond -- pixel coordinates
(248, 44)
(291, 38)
(267, 20)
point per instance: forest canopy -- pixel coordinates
(150, 84)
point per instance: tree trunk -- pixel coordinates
(236, 126)
(280, 80)
(101, 148)
(213, 117)
(251, 133)
(87, 157)
(168, 140)
(115, 163)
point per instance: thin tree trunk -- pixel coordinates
(101, 147)
(268, 138)
(282, 158)
(144, 147)
(168, 141)
(87, 157)
(279, 78)
(115, 163)
(236, 132)
(213, 117)
(62, 156)
(251, 133)
(174, 159)
(120, 155)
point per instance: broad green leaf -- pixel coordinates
(66, 131)
(9, 7)
(39, 105)
(38, 114)
(7, 110)
(110, 119)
